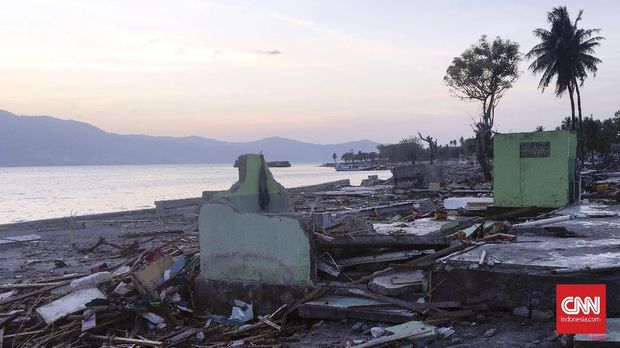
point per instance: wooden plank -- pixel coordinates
(127, 340)
(383, 241)
(33, 293)
(383, 257)
(392, 338)
(327, 312)
(414, 306)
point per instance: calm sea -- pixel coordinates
(30, 193)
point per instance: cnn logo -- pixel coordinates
(575, 305)
(581, 309)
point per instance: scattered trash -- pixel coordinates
(123, 288)
(374, 259)
(155, 321)
(445, 332)
(59, 263)
(68, 304)
(6, 295)
(242, 312)
(489, 333)
(377, 331)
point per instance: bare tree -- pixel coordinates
(432, 145)
(483, 73)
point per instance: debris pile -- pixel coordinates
(379, 264)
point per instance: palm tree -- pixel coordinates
(565, 53)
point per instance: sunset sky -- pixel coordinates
(318, 71)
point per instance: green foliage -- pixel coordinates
(565, 51)
(359, 156)
(408, 149)
(411, 149)
(598, 135)
(484, 72)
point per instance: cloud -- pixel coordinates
(151, 42)
(269, 52)
(360, 44)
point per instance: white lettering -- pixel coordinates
(573, 305)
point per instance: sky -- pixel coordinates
(317, 71)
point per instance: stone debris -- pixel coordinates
(258, 265)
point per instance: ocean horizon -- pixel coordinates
(42, 192)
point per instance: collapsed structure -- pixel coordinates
(252, 244)
(420, 258)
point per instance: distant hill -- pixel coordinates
(50, 141)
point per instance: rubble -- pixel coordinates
(259, 265)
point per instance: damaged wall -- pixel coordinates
(244, 194)
(534, 169)
(252, 247)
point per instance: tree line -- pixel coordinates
(487, 70)
(483, 73)
(412, 150)
(599, 137)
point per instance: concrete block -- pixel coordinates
(535, 169)
(253, 247)
(521, 311)
(256, 184)
(399, 283)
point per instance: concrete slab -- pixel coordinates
(399, 283)
(414, 327)
(454, 203)
(7, 242)
(253, 247)
(524, 273)
(419, 227)
(336, 307)
(611, 339)
(256, 190)
(68, 304)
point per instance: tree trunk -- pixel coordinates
(580, 138)
(572, 109)
(482, 150)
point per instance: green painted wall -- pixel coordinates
(252, 247)
(522, 181)
(243, 195)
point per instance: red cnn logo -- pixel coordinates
(580, 308)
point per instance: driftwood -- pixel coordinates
(392, 338)
(127, 340)
(101, 241)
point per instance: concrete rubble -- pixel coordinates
(325, 265)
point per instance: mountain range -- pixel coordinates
(50, 141)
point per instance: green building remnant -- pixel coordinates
(534, 169)
(256, 190)
(253, 247)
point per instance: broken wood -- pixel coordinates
(269, 322)
(27, 285)
(414, 306)
(33, 293)
(383, 241)
(417, 263)
(5, 321)
(498, 236)
(392, 338)
(383, 257)
(483, 256)
(126, 340)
